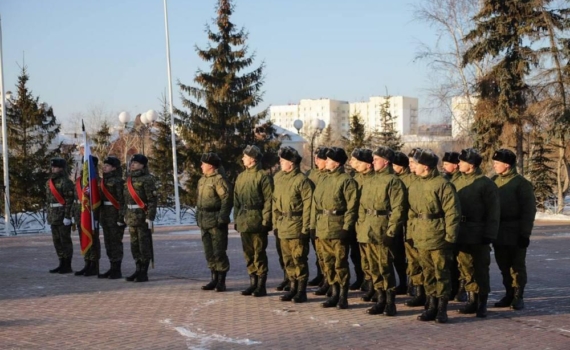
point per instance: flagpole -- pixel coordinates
(86, 155)
(7, 223)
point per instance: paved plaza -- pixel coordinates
(39, 310)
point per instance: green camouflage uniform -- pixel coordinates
(333, 215)
(60, 233)
(213, 209)
(413, 270)
(316, 176)
(94, 252)
(518, 209)
(433, 220)
(141, 239)
(252, 209)
(111, 216)
(292, 198)
(480, 208)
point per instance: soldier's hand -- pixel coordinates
(66, 221)
(120, 224)
(523, 242)
(487, 240)
(387, 240)
(149, 223)
(410, 242)
(276, 232)
(222, 225)
(235, 227)
(266, 228)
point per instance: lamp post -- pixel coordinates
(148, 118)
(318, 127)
(7, 216)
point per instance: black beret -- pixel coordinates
(506, 156)
(140, 158)
(450, 157)
(471, 156)
(414, 151)
(337, 154)
(385, 152)
(363, 155)
(401, 159)
(252, 151)
(426, 157)
(211, 158)
(321, 152)
(290, 154)
(58, 162)
(112, 161)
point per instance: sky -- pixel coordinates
(110, 55)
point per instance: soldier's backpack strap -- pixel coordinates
(56, 193)
(108, 194)
(135, 195)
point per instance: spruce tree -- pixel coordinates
(356, 134)
(101, 141)
(218, 116)
(387, 135)
(541, 174)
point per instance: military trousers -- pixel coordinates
(474, 261)
(295, 258)
(141, 243)
(365, 264)
(381, 271)
(215, 242)
(435, 270)
(355, 256)
(414, 269)
(335, 260)
(254, 251)
(319, 253)
(113, 238)
(318, 261)
(398, 252)
(61, 236)
(512, 262)
(279, 251)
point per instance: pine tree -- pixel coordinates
(32, 129)
(387, 135)
(356, 132)
(101, 141)
(541, 174)
(218, 116)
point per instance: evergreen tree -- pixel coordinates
(387, 135)
(101, 141)
(218, 116)
(32, 130)
(541, 174)
(356, 138)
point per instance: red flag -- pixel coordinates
(90, 200)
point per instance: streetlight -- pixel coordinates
(318, 127)
(7, 216)
(147, 119)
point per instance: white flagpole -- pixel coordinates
(86, 155)
(7, 223)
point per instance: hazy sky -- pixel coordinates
(111, 54)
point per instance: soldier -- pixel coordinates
(252, 210)
(93, 254)
(434, 214)
(284, 284)
(292, 199)
(59, 194)
(360, 263)
(333, 216)
(214, 205)
(450, 166)
(316, 175)
(518, 209)
(139, 213)
(479, 226)
(111, 214)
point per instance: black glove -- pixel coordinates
(223, 225)
(313, 233)
(266, 229)
(235, 227)
(345, 233)
(387, 241)
(523, 242)
(276, 232)
(487, 240)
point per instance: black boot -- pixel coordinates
(301, 295)
(252, 285)
(291, 293)
(85, 267)
(133, 277)
(107, 273)
(323, 289)
(261, 291)
(482, 305)
(371, 291)
(471, 306)
(507, 300)
(390, 309)
(93, 269)
(143, 274)
(419, 299)
(518, 302)
(343, 298)
(281, 286)
(56, 270)
(213, 281)
(359, 279)
(461, 295)
(442, 310)
(333, 300)
(66, 267)
(116, 270)
(380, 305)
(410, 291)
(221, 285)
(431, 312)
(317, 280)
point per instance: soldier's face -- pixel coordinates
(55, 169)
(207, 169)
(500, 167)
(331, 164)
(361, 167)
(412, 165)
(379, 163)
(107, 168)
(449, 168)
(465, 167)
(352, 162)
(320, 163)
(421, 170)
(136, 166)
(398, 169)
(286, 165)
(247, 161)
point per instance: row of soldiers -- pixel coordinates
(129, 202)
(393, 201)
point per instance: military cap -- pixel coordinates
(252, 151)
(363, 155)
(337, 154)
(140, 158)
(401, 159)
(414, 151)
(112, 161)
(506, 156)
(211, 158)
(321, 152)
(426, 157)
(58, 162)
(451, 157)
(290, 154)
(471, 156)
(385, 152)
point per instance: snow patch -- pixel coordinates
(551, 217)
(206, 340)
